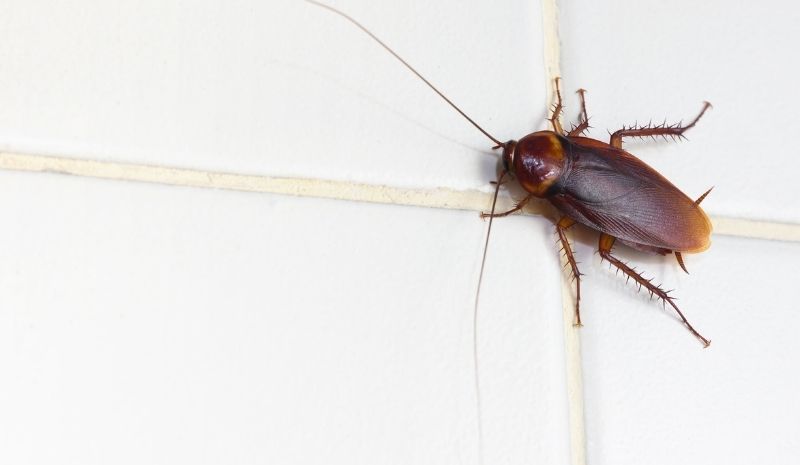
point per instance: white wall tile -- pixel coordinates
(279, 87)
(654, 395)
(144, 323)
(656, 60)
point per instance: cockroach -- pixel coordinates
(599, 185)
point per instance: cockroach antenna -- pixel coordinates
(411, 68)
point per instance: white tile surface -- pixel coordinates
(143, 323)
(656, 60)
(155, 324)
(653, 395)
(279, 87)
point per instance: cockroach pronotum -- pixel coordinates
(599, 185)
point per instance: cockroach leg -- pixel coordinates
(557, 110)
(606, 243)
(561, 227)
(664, 130)
(519, 206)
(679, 257)
(583, 123)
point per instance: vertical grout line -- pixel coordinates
(552, 46)
(572, 342)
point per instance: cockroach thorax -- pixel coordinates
(538, 161)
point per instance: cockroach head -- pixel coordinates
(508, 156)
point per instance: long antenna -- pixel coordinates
(376, 39)
(475, 320)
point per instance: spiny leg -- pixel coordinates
(675, 130)
(519, 206)
(606, 243)
(561, 227)
(557, 110)
(583, 123)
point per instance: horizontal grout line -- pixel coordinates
(328, 189)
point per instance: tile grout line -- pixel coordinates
(572, 341)
(451, 199)
(472, 200)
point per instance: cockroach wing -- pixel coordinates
(614, 192)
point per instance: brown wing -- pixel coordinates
(612, 191)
